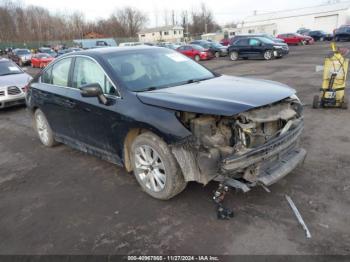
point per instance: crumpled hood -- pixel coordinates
(19, 80)
(224, 95)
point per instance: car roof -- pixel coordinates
(110, 50)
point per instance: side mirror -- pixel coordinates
(93, 90)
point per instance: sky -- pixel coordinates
(225, 11)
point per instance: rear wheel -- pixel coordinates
(43, 129)
(233, 56)
(316, 102)
(268, 55)
(197, 58)
(155, 167)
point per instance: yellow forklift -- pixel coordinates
(334, 80)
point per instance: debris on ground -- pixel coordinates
(299, 217)
(323, 225)
(219, 195)
(266, 188)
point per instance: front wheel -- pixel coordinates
(268, 55)
(234, 56)
(155, 167)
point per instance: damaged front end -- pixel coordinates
(259, 146)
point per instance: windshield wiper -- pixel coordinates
(190, 81)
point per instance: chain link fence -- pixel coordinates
(67, 43)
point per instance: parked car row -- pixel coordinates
(40, 58)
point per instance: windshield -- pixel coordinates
(144, 70)
(43, 56)
(47, 50)
(217, 45)
(9, 68)
(199, 48)
(23, 52)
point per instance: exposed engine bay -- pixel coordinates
(232, 146)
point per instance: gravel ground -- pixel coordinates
(61, 201)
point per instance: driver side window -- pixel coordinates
(87, 71)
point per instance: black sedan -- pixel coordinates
(257, 47)
(319, 35)
(167, 118)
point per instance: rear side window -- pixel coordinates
(60, 72)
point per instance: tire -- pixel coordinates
(322, 39)
(197, 58)
(336, 39)
(217, 54)
(316, 102)
(43, 129)
(146, 149)
(234, 56)
(268, 54)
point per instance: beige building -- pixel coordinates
(162, 34)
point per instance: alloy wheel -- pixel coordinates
(233, 56)
(42, 129)
(150, 168)
(268, 55)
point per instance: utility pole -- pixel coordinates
(187, 33)
(173, 17)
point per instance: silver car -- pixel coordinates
(13, 81)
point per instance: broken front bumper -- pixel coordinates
(271, 161)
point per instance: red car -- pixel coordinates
(195, 52)
(296, 39)
(41, 60)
